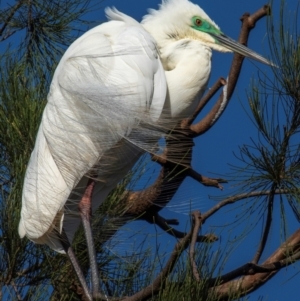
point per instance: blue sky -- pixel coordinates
(214, 150)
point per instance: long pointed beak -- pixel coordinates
(239, 48)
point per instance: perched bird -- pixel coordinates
(115, 90)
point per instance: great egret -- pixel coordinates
(110, 83)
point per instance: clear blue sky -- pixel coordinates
(214, 150)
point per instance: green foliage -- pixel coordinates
(44, 29)
(271, 162)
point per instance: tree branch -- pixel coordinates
(285, 255)
(248, 23)
(197, 223)
(205, 180)
(159, 281)
(207, 97)
(239, 197)
(163, 224)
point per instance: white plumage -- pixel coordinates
(112, 81)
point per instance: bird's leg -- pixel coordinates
(85, 209)
(70, 253)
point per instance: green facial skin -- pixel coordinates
(205, 27)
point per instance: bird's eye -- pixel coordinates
(198, 22)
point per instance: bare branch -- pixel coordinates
(197, 223)
(252, 269)
(285, 255)
(248, 23)
(163, 224)
(239, 197)
(212, 91)
(158, 283)
(205, 180)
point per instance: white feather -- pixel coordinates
(108, 81)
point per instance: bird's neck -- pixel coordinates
(187, 64)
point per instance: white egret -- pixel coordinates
(110, 83)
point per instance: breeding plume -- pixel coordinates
(114, 93)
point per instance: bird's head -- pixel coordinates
(182, 19)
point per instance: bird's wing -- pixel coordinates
(108, 81)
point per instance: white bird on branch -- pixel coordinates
(111, 88)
